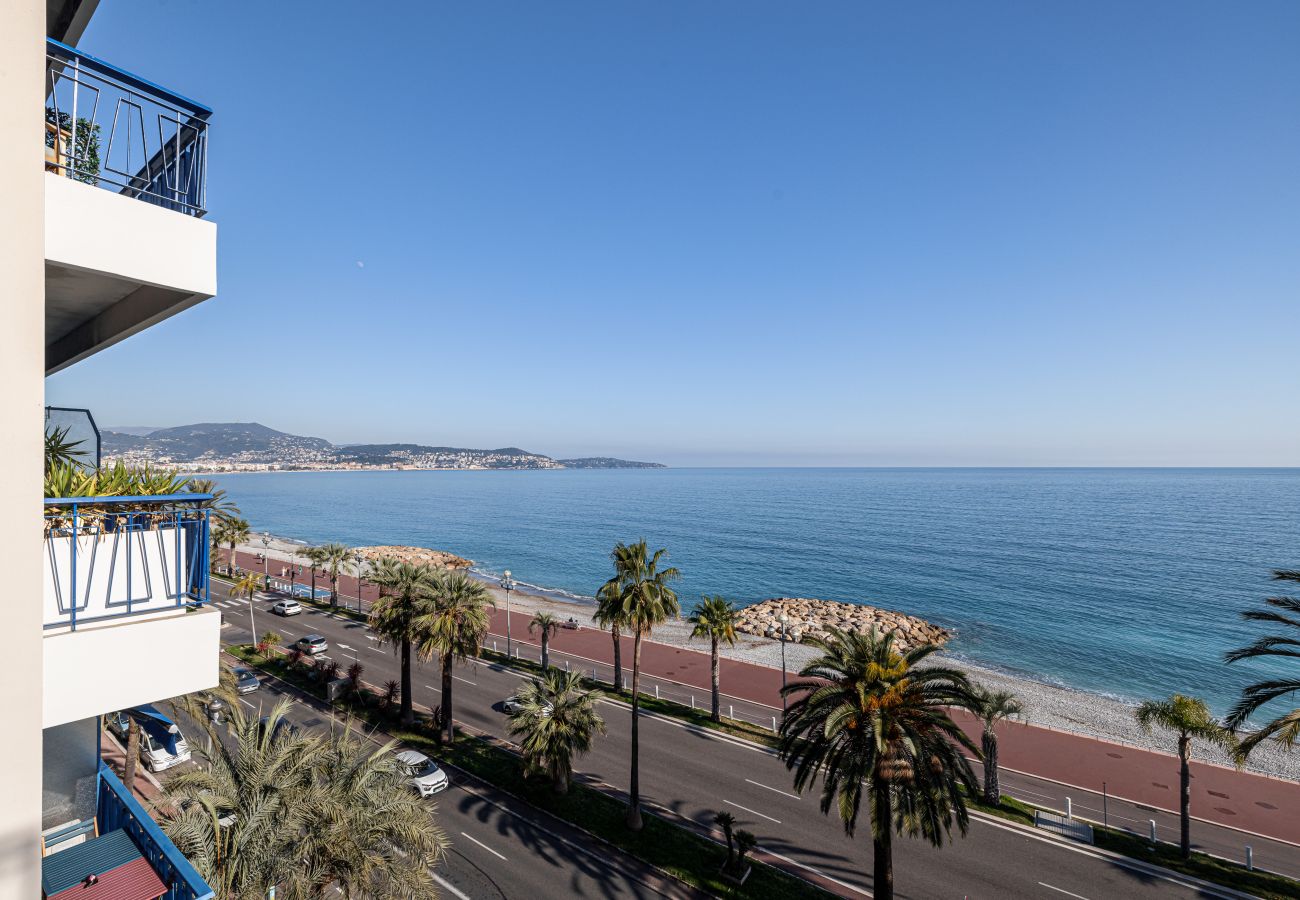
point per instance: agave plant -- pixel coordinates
(120, 480)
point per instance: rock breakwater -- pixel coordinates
(418, 556)
(809, 618)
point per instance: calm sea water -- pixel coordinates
(1122, 582)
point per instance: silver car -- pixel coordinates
(313, 644)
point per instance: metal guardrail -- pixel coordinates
(118, 577)
(1069, 827)
(117, 808)
(108, 127)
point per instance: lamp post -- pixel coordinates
(266, 562)
(507, 585)
(292, 573)
(783, 620)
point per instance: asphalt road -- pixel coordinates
(692, 774)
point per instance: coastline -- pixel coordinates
(1046, 705)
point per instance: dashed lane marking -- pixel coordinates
(752, 812)
(1052, 887)
(772, 789)
(484, 846)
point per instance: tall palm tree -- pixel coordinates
(223, 508)
(646, 601)
(453, 629)
(993, 707)
(274, 807)
(405, 594)
(315, 561)
(1283, 728)
(609, 614)
(865, 716)
(715, 618)
(232, 532)
(335, 558)
(1190, 719)
(247, 585)
(556, 719)
(548, 625)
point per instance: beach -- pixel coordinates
(1046, 706)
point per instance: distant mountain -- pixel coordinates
(607, 462)
(250, 446)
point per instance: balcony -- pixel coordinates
(124, 602)
(120, 853)
(126, 242)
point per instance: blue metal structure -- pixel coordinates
(117, 808)
(156, 139)
(181, 514)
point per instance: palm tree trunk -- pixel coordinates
(1185, 796)
(618, 657)
(717, 694)
(449, 724)
(233, 566)
(882, 883)
(408, 708)
(546, 657)
(132, 753)
(634, 787)
(334, 589)
(992, 789)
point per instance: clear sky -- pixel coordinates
(832, 233)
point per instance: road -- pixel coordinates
(691, 773)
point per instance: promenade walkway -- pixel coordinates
(1225, 796)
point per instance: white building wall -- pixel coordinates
(22, 371)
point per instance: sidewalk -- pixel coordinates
(1224, 796)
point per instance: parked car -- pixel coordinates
(511, 705)
(284, 728)
(245, 681)
(162, 745)
(313, 644)
(287, 608)
(422, 773)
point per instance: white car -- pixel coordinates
(313, 644)
(422, 773)
(287, 608)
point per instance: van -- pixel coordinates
(162, 745)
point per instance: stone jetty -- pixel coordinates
(418, 556)
(810, 619)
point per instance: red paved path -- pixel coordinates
(1254, 803)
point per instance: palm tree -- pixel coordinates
(727, 822)
(646, 601)
(232, 532)
(335, 558)
(866, 717)
(1190, 719)
(1284, 728)
(453, 629)
(405, 594)
(247, 585)
(555, 721)
(223, 508)
(305, 814)
(993, 707)
(609, 614)
(715, 619)
(315, 560)
(548, 625)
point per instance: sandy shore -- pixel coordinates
(1046, 705)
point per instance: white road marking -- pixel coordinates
(451, 888)
(752, 812)
(344, 647)
(485, 847)
(818, 872)
(434, 689)
(371, 637)
(772, 789)
(466, 680)
(1053, 887)
(247, 703)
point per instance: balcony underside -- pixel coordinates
(115, 266)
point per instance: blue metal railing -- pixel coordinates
(106, 126)
(117, 808)
(146, 554)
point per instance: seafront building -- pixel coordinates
(103, 233)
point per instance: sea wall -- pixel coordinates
(811, 619)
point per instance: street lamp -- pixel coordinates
(507, 585)
(783, 620)
(266, 562)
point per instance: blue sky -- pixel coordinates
(738, 232)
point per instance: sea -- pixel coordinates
(1129, 583)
